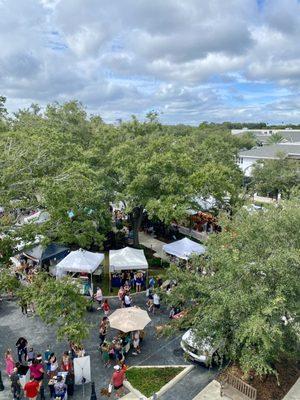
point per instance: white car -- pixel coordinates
(198, 351)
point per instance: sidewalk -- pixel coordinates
(211, 392)
(151, 243)
(129, 396)
(190, 384)
(294, 393)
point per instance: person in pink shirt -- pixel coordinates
(36, 370)
(9, 363)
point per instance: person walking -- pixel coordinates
(105, 354)
(121, 294)
(151, 282)
(156, 302)
(31, 389)
(21, 346)
(105, 307)
(127, 300)
(117, 380)
(9, 362)
(23, 305)
(15, 384)
(98, 297)
(103, 330)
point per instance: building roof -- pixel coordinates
(263, 135)
(272, 151)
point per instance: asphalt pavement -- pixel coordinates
(155, 350)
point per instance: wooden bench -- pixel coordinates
(236, 389)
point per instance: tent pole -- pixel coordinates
(109, 282)
(92, 285)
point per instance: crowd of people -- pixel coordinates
(136, 280)
(46, 368)
(57, 373)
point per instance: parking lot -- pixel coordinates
(155, 350)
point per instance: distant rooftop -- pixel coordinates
(291, 150)
(262, 135)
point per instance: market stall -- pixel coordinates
(81, 262)
(184, 248)
(46, 255)
(127, 259)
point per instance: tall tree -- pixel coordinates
(276, 176)
(160, 171)
(248, 299)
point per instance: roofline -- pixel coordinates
(267, 157)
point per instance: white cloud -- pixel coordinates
(187, 58)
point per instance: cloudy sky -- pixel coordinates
(191, 60)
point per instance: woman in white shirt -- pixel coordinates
(156, 302)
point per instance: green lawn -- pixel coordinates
(151, 380)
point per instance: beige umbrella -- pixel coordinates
(129, 319)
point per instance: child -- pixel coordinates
(111, 352)
(106, 307)
(136, 343)
(150, 303)
(105, 354)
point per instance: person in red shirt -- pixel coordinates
(118, 379)
(105, 307)
(31, 389)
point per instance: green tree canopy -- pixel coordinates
(59, 303)
(248, 298)
(276, 176)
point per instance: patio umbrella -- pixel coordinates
(129, 319)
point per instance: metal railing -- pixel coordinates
(238, 384)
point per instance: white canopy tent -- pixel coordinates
(127, 258)
(80, 261)
(184, 248)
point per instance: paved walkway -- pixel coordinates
(155, 351)
(294, 393)
(211, 392)
(190, 384)
(151, 243)
(130, 396)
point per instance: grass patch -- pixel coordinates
(151, 380)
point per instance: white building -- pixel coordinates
(248, 158)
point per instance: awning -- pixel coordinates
(127, 258)
(184, 248)
(80, 261)
(42, 254)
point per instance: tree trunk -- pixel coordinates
(137, 216)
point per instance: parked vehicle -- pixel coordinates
(202, 352)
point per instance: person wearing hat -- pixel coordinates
(117, 380)
(60, 388)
